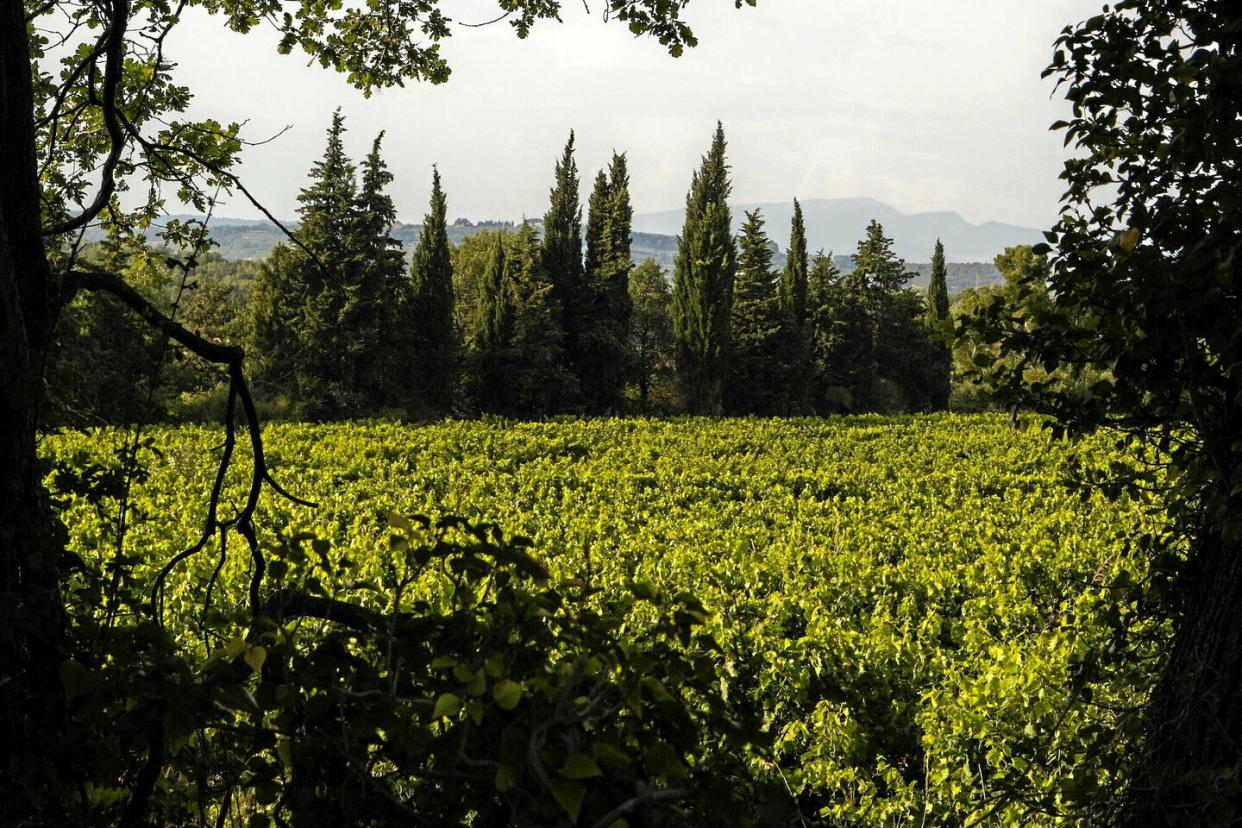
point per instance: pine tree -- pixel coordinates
(891, 368)
(562, 254)
(298, 298)
(604, 351)
(327, 207)
(376, 370)
(756, 382)
(323, 311)
(937, 317)
(703, 284)
(431, 316)
(876, 265)
(794, 279)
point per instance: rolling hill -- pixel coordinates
(833, 225)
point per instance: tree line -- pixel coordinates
(526, 322)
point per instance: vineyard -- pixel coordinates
(916, 620)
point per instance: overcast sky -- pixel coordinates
(923, 104)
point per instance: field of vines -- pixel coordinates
(920, 617)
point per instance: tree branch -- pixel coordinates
(260, 474)
(113, 68)
(110, 283)
(629, 806)
(291, 603)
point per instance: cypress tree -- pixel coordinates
(562, 254)
(938, 287)
(495, 306)
(825, 294)
(376, 212)
(794, 279)
(756, 372)
(493, 327)
(431, 276)
(615, 274)
(604, 351)
(597, 218)
(537, 380)
(937, 317)
(703, 284)
(795, 345)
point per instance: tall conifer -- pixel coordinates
(537, 379)
(795, 340)
(495, 308)
(327, 207)
(562, 253)
(937, 315)
(651, 329)
(824, 300)
(431, 319)
(298, 298)
(703, 284)
(756, 373)
(493, 328)
(376, 287)
(794, 279)
(604, 347)
(891, 366)
(876, 267)
(597, 219)
(938, 287)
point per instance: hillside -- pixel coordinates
(836, 224)
(254, 238)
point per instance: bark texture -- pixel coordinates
(1193, 757)
(31, 545)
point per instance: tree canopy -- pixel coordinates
(1143, 291)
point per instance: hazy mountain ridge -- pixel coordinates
(833, 225)
(837, 224)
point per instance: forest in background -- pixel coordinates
(553, 316)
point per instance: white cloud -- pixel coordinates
(925, 105)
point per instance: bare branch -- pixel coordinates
(232, 356)
(485, 22)
(135, 301)
(290, 603)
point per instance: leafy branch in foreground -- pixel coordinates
(1144, 291)
(460, 684)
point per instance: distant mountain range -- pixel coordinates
(832, 225)
(837, 224)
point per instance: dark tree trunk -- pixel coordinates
(31, 611)
(1190, 771)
